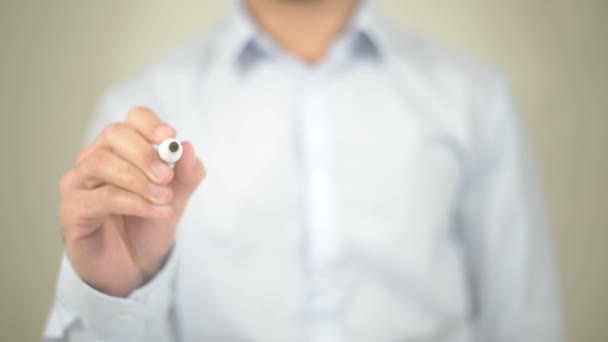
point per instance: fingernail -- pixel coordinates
(160, 169)
(163, 210)
(162, 132)
(160, 192)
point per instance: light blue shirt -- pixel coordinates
(381, 195)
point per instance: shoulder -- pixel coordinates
(468, 97)
(442, 69)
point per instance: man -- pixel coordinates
(362, 184)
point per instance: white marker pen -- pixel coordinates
(170, 151)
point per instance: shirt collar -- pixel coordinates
(247, 44)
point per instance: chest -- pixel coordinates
(392, 167)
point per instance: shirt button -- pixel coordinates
(321, 284)
(125, 316)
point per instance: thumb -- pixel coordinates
(189, 173)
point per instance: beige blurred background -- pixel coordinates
(56, 57)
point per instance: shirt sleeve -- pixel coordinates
(516, 296)
(81, 313)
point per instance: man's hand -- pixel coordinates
(121, 204)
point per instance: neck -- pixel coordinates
(305, 28)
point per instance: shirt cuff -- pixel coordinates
(113, 316)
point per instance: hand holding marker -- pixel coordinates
(123, 199)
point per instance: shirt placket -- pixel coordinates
(320, 207)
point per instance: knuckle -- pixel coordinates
(133, 182)
(138, 112)
(107, 194)
(140, 206)
(83, 152)
(201, 173)
(96, 160)
(64, 212)
(201, 176)
(64, 183)
(146, 158)
(112, 130)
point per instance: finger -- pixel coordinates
(189, 173)
(111, 200)
(144, 121)
(84, 152)
(128, 144)
(104, 167)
